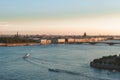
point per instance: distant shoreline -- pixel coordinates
(18, 44)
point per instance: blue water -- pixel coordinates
(72, 60)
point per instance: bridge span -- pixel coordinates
(109, 43)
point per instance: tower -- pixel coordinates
(84, 35)
(17, 34)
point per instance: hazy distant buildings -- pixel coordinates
(71, 40)
(53, 39)
(45, 41)
(78, 40)
(61, 41)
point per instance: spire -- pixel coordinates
(17, 34)
(84, 35)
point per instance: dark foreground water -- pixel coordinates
(71, 62)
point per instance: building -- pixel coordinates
(71, 40)
(45, 41)
(61, 41)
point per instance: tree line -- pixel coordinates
(15, 40)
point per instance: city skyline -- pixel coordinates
(69, 17)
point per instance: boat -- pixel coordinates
(54, 70)
(64, 71)
(27, 55)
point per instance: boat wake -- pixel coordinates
(35, 63)
(46, 65)
(74, 73)
(56, 62)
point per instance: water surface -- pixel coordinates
(72, 61)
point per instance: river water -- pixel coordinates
(71, 61)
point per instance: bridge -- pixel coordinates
(109, 43)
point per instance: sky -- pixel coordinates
(60, 17)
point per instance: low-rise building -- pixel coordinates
(45, 41)
(71, 40)
(84, 40)
(49, 41)
(93, 39)
(61, 41)
(78, 40)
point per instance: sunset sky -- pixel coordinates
(63, 17)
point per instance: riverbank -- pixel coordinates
(107, 62)
(18, 44)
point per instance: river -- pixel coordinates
(71, 61)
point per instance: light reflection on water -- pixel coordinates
(69, 59)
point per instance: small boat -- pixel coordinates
(63, 71)
(26, 56)
(54, 70)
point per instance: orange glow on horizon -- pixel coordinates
(107, 24)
